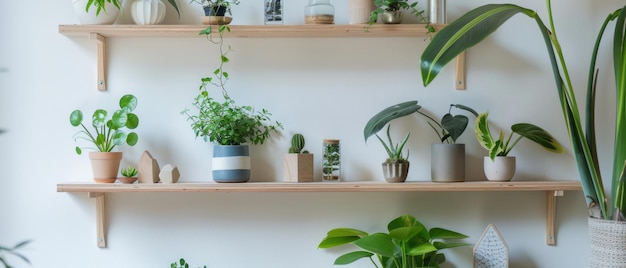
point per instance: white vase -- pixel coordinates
(502, 168)
(360, 11)
(147, 12)
(607, 242)
(106, 16)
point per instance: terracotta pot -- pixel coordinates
(502, 168)
(105, 166)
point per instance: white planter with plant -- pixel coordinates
(225, 123)
(477, 24)
(498, 166)
(97, 11)
(107, 133)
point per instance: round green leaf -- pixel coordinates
(119, 119)
(132, 121)
(119, 137)
(132, 138)
(78, 150)
(76, 117)
(128, 103)
(99, 117)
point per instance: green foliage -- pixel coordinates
(474, 26)
(13, 251)
(408, 244)
(331, 158)
(224, 122)
(502, 146)
(108, 133)
(217, 3)
(395, 5)
(181, 264)
(394, 152)
(129, 171)
(297, 144)
(100, 5)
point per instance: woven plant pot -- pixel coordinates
(607, 241)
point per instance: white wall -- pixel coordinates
(323, 88)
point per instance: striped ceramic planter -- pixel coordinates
(231, 163)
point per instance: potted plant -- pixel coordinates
(107, 133)
(606, 211)
(499, 166)
(129, 175)
(229, 126)
(391, 12)
(150, 12)
(298, 163)
(331, 160)
(408, 244)
(13, 251)
(181, 264)
(396, 167)
(215, 11)
(447, 157)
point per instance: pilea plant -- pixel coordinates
(297, 144)
(108, 133)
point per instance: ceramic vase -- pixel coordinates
(148, 12)
(447, 162)
(396, 172)
(231, 163)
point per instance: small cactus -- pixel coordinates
(297, 144)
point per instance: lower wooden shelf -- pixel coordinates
(552, 189)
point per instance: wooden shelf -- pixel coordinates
(102, 32)
(552, 189)
(252, 31)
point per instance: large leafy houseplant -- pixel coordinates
(108, 132)
(474, 26)
(408, 244)
(398, 5)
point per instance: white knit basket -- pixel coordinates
(607, 240)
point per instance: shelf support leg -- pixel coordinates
(102, 64)
(100, 219)
(459, 81)
(551, 216)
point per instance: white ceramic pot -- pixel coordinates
(147, 12)
(106, 16)
(502, 168)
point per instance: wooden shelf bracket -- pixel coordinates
(551, 216)
(101, 227)
(459, 79)
(102, 64)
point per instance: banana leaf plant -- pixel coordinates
(474, 26)
(502, 146)
(407, 245)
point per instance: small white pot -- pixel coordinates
(105, 17)
(148, 12)
(502, 168)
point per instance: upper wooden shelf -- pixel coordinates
(319, 30)
(479, 186)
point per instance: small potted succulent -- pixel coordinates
(298, 163)
(396, 167)
(408, 243)
(107, 133)
(499, 166)
(129, 175)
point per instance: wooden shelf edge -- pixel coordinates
(479, 186)
(256, 31)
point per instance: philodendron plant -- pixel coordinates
(408, 244)
(108, 132)
(474, 26)
(502, 146)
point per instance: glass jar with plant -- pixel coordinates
(408, 243)
(229, 126)
(331, 160)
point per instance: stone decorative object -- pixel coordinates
(169, 174)
(491, 251)
(148, 169)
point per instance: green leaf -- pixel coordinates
(379, 243)
(483, 134)
(173, 3)
(76, 117)
(463, 33)
(118, 138)
(442, 245)
(455, 125)
(404, 234)
(441, 233)
(352, 257)
(421, 249)
(128, 103)
(338, 232)
(132, 138)
(539, 136)
(330, 242)
(99, 118)
(119, 119)
(378, 121)
(132, 121)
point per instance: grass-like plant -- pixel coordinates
(108, 132)
(502, 146)
(13, 251)
(474, 26)
(408, 244)
(394, 151)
